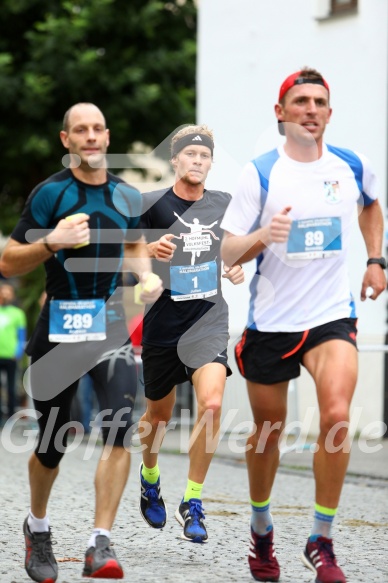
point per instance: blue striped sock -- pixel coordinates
(323, 519)
(261, 519)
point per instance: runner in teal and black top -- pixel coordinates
(112, 205)
(81, 223)
(93, 271)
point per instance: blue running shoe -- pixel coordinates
(190, 515)
(152, 506)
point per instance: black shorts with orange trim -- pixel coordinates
(275, 357)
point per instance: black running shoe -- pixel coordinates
(152, 506)
(40, 562)
(191, 516)
(101, 561)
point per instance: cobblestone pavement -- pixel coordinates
(147, 555)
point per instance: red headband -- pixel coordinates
(297, 79)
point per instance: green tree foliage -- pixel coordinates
(134, 58)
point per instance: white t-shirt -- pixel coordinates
(302, 283)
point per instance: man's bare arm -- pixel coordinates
(237, 249)
(137, 260)
(20, 258)
(371, 223)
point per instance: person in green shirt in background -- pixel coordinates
(12, 340)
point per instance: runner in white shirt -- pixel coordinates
(293, 212)
(313, 259)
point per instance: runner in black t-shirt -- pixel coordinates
(185, 333)
(80, 223)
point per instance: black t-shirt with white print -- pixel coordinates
(192, 279)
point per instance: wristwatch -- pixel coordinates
(379, 260)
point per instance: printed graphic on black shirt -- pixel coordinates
(197, 280)
(199, 239)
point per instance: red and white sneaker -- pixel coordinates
(262, 559)
(320, 558)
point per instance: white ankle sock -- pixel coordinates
(95, 533)
(38, 524)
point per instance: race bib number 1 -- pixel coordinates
(77, 320)
(314, 238)
(193, 282)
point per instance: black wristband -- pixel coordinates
(378, 261)
(44, 240)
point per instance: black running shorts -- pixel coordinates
(275, 357)
(166, 367)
